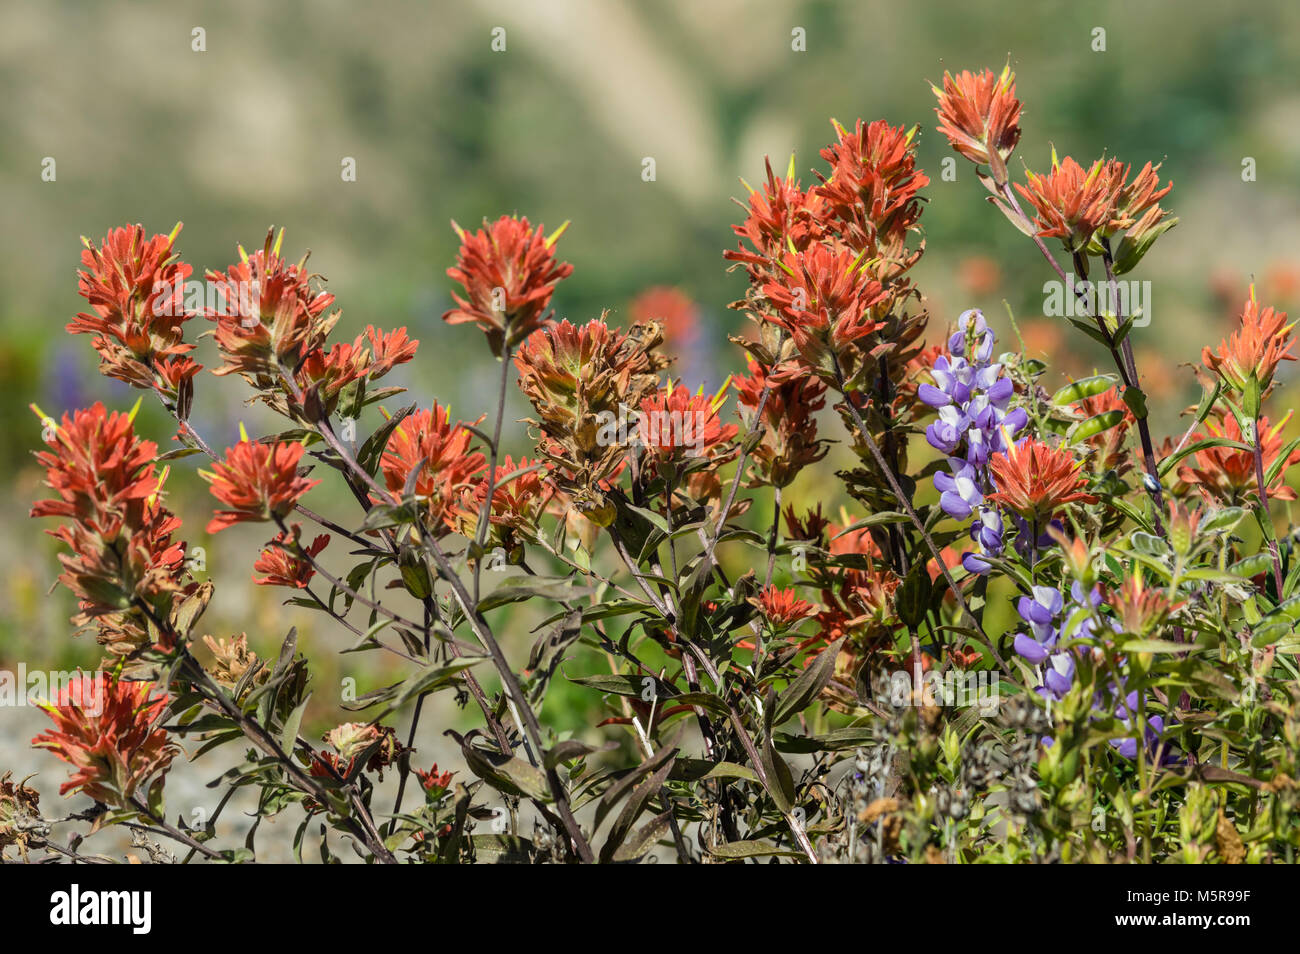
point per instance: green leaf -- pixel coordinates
(633, 686)
(632, 808)
(699, 770)
(1149, 543)
(506, 773)
(1168, 463)
(737, 850)
(543, 587)
(1154, 646)
(643, 838)
(1129, 252)
(1221, 521)
(807, 685)
(780, 783)
(1280, 463)
(1094, 425)
(289, 734)
(1253, 565)
(881, 518)
(1076, 391)
(373, 448)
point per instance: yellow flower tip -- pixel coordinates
(555, 236)
(40, 415)
(243, 255)
(789, 170)
(748, 188)
(279, 241)
(243, 432)
(171, 236)
(460, 232)
(135, 410)
(720, 398)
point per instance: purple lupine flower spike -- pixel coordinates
(975, 421)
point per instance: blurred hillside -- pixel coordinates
(254, 130)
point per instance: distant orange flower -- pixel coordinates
(508, 272)
(980, 115)
(673, 309)
(433, 781)
(1140, 608)
(107, 730)
(257, 482)
(979, 274)
(1071, 203)
(1109, 444)
(1255, 349)
(282, 564)
(1227, 474)
(1036, 480)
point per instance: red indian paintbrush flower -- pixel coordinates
(1227, 474)
(282, 562)
(873, 192)
(823, 298)
(580, 380)
(1108, 445)
(980, 115)
(270, 313)
(388, 349)
(1036, 480)
(1072, 204)
(675, 423)
(508, 272)
(429, 456)
(782, 608)
(118, 533)
(257, 482)
(136, 290)
(1139, 608)
(107, 731)
(518, 499)
(434, 782)
(1254, 350)
(781, 216)
(790, 428)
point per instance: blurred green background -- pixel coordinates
(252, 132)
